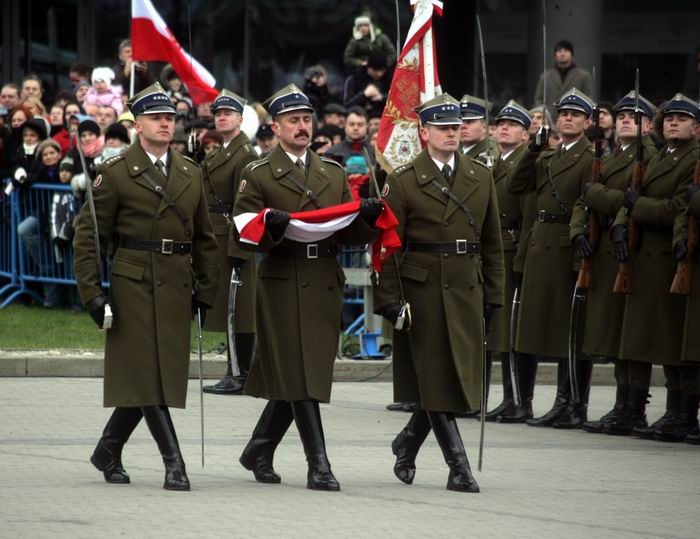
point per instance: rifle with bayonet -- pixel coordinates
(623, 281)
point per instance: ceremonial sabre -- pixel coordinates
(484, 373)
(201, 379)
(108, 319)
(233, 286)
(511, 353)
(544, 63)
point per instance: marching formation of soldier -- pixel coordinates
(511, 248)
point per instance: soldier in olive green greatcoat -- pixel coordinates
(451, 272)
(604, 309)
(690, 351)
(475, 141)
(151, 208)
(557, 176)
(652, 328)
(222, 170)
(299, 289)
(512, 124)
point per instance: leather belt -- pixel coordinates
(164, 247)
(306, 250)
(508, 223)
(544, 216)
(457, 247)
(220, 208)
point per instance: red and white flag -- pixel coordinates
(152, 40)
(313, 226)
(415, 81)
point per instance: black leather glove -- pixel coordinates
(587, 187)
(390, 312)
(61, 243)
(276, 222)
(201, 307)
(690, 191)
(489, 313)
(370, 209)
(618, 235)
(96, 308)
(582, 245)
(631, 198)
(518, 279)
(237, 262)
(540, 141)
(680, 250)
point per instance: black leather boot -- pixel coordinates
(673, 411)
(693, 437)
(633, 414)
(267, 434)
(406, 445)
(576, 414)
(107, 456)
(447, 434)
(229, 384)
(526, 365)
(308, 419)
(507, 406)
(561, 401)
(163, 431)
(686, 424)
(598, 426)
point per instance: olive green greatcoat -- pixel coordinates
(298, 299)
(222, 175)
(438, 363)
(549, 279)
(690, 348)
(652, 327)
(485, 152)
(147, 350)
(510, 207)
(604, 309)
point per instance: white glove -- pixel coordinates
(20, 174)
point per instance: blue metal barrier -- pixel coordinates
(42, 262)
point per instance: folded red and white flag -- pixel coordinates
(313, 226)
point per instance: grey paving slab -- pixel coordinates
(535, 482)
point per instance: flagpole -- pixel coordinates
(427, 67)
(131, 78)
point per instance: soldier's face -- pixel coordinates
(157, 129)
(625, 128)
(441, 138)
(571, 123)
(227, 120)
(472, 131)
(678, 128)
(293, 130)
(510, 133)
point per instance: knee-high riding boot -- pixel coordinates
(163, 431)
(308, 419)
(447, 434)
(107, 456)
(406, 445)
(561, 401)
(267, 434)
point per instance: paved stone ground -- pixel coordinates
(535, 483)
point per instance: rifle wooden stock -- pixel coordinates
(682, 278)
(585, 273)
(623, 281)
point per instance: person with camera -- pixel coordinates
(452, 273)
(151, 213)
(316, 88)
(299, 288)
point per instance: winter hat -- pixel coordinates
(66, 164)
(102, 74)
(48, 143)
(117, 131)
(89, 125)
(37, 125)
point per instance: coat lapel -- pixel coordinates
(179, 177)
(560, 163)
(426, 172)
(465, 183)
(316, 180)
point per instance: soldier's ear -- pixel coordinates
(423, 133)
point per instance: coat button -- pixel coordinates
(446, 285)
(304, 285)
(445, 255)
(159, 283)
(445, 223)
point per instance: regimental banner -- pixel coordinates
(415, 80)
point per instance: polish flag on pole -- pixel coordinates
(151, 40)
(415, 81)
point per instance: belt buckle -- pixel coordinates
(166, 247)
(542, 216)
(312, 250)
(461, 246)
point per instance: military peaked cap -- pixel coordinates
(288, 99)
(228, 100)
(517, 113)
(576, 100)
(683, 105)
(473, 108)
(440, 110)
(151, 100)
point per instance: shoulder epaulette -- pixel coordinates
(248, 148)
(402, 169)
(189, 159)
(331, 161)
(112, 160)
(257, 163)
(477, 162)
